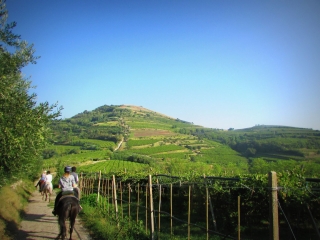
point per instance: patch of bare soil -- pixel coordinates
(39, 223)
(152, 132)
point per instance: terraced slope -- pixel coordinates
(137, 134)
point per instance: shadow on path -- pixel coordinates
(39, 223)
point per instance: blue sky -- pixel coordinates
(218, 64)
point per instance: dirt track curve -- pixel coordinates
(39, 223)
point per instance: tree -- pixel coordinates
(23, 122)
(250, 152)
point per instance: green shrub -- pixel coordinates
(108, 226)
(90, 200)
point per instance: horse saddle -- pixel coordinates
(68, 193)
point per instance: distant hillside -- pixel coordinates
(141, 135)
(142, 110)
(270, 142)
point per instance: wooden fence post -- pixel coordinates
(80, 182)
(171, 227)
(207, 211)
(189, 212)
(115, 196)
(129, 200)
(84, 186)
(151, 209)
(138, 202)
(88, 185)
(212, 213)
(112, 190)
(121, 200)
(273, 206)
(238, 217)
(105, 193)
(207, 206)
(108, 195)
(85, 181)
(103, 183)
(146, 208)
(99, 187)
(92, 185)
(159, 214)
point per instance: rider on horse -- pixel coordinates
(47, 180)
(41, 180)
(68, 187)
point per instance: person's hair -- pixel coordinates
(74, 169)
(66, 174)
(48, 172)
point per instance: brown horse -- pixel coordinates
(67, 208)
(40, 184)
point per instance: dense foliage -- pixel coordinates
(23, 121)
(66, 131)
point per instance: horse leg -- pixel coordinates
(71, 228)
(50, 193)
(73, 214)
(63, 230)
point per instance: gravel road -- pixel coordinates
(39, 223)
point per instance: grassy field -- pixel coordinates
(114, 166)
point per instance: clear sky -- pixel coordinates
(218, 63)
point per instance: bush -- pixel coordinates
(108, 226)
(49, 153)
(90, 200)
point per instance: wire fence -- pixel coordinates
(204, 209)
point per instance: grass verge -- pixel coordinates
(108, 226)
(13, 200)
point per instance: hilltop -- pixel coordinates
(137, 134)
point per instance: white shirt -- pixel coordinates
(48, 178)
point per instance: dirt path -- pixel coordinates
(39, 223)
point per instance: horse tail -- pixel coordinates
(74, 209)
(67, 208)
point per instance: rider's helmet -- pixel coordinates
(67, 169)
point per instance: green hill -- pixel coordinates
(137, 134)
